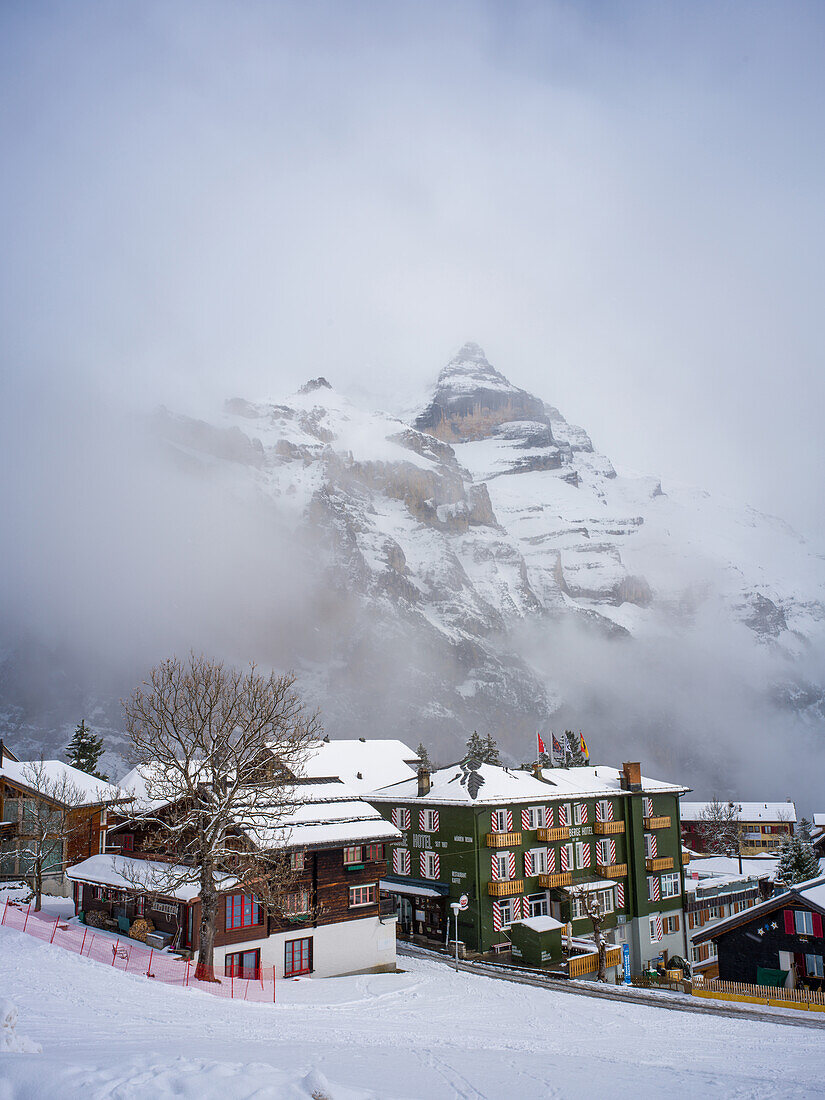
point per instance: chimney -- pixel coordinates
(631, 777)
(537, 770)
(423, 782)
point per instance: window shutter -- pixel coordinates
(405, 817)
(509, 821)
(435, 821)
(494, 822)
(648, 807)
(659, 932)
(496, 916)
(525, 818)
(528, 864)
(653, 845)
(562, 815)
(817, 925)
(600, 811)
(584, 855)
(585, 811)
(511, 863)
(565, 857)
(407, 863)
(789, 924)
(422, 859)
(395, 818)
(548, 817)
(494, 867)
(436, 866)
(620, 895)
(675, 922)
(551, 861)
(612, 846)
(690, 920)
(396, 861)
(609, 811)
(422, 819)
(657, 890)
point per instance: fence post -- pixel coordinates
(273, 985)
(54, 930)
(188, 964)
(5, 907)
(26, 921)
(114, 953)
(232, 983)
(85, 930)
(149, 973)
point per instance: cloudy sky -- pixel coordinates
(621, 201)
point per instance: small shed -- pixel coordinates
(536, 941)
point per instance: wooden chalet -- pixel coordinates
(333, 921)
(779, 942)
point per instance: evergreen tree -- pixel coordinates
(84, 750)
(475, 750)
(797, 862)
(576, 757)
(423, 757)
(491, 755)
(803, 830)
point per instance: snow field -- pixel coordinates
(426, 1033)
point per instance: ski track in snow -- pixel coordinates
(425, 1033)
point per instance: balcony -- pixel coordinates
(611, 870)
(657, 822)
(561, 832)
(663, 864)
(589, 964)
(505, 889)
(685, 859)
(503, 840)
(608, 828)
(563, 878)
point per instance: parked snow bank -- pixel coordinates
(10, 1041)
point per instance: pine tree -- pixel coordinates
(797, 862)
(803, 830)
(84, 750)
(423, 757)
(491, 755)
(475, 751)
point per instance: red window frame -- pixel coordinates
(242, 911)
(127, 842)
(375, 852)
(235, 967)
(358, 858)
(355, 891)
(298, 957)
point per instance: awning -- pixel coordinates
(412, 891)
(602, 884)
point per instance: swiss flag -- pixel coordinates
(541, 744)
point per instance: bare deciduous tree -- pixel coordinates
(47, 822)
(719, 827)
(594, 909)
(222, 748)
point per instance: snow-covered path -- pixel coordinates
(426, 1033)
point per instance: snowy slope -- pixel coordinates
(427, 1032)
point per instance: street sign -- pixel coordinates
(463, 902)
(626, 961)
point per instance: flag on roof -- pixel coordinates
(585, 749)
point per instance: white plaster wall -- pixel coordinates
(350, 947)
(643, 949)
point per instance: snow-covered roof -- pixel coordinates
(541, 924)
(363, 765)
(813, 891)
(752, 866)
(819, 821)
(410, 889)
(141, 875)
(49, 776)
(146, 778)
(450, 786)
(775, 812)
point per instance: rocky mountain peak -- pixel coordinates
(313, 384)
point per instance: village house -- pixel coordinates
(513, 847)
(49, 808)
(763, 826)
(778, 942)
(715, 892)
(332, 922)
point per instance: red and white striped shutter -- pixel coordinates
(396, 861)
(620, 895)
(551, 861)
(525, 908)
(599, 811)
(525, 819)
(609, 811)
(422, 861)
(562, 814)
(564, 852)
(653, 846)
(421, 819)
(436, 866)
(659, 931)
(395, 818)
(407, 862)
(548, 817)
(657, 891)
(435, 821)
(528, 865)
(493, 822)
(611, 844)
(648, 807)
(494, 867)
(511, 862)
(585, 812)
(585, 850)
(496, 916)
(509, 821)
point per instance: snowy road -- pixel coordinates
(427, 1033)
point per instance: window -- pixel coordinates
(499, 821)
(813, 966)
(296, 861)
(97, 893)
(429, 821)
(606, 900)
(671, 924)
(296, 904)
(656, 930)
(534, 818)
(579, 813)
(401, 817)
(804, 921)
(501, 866)
(297, 957)
(429, 865)
(564, 813)
(538, 905)
(653, 892)
(602, 853)
(650, 846)
(538, 861)
(505, 908)
(362, 895)
(582, 854)
(127, 842)
(566, 857)
(375, 852)
(353, 855)
(577, 908)
(243, 964)
(671, 886)
(242, 911)
(604, 810)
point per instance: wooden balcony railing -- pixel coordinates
(563, 878)
(663, 864)
(503, 840)
(657, 822)
(589, 964)
(611, 870)
(561, 832)
(685, 859)
(505, 889)
(606, 828)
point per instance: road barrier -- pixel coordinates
(715, 989)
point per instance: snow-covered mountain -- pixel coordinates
(485, 567)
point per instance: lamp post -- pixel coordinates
(456, 906)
